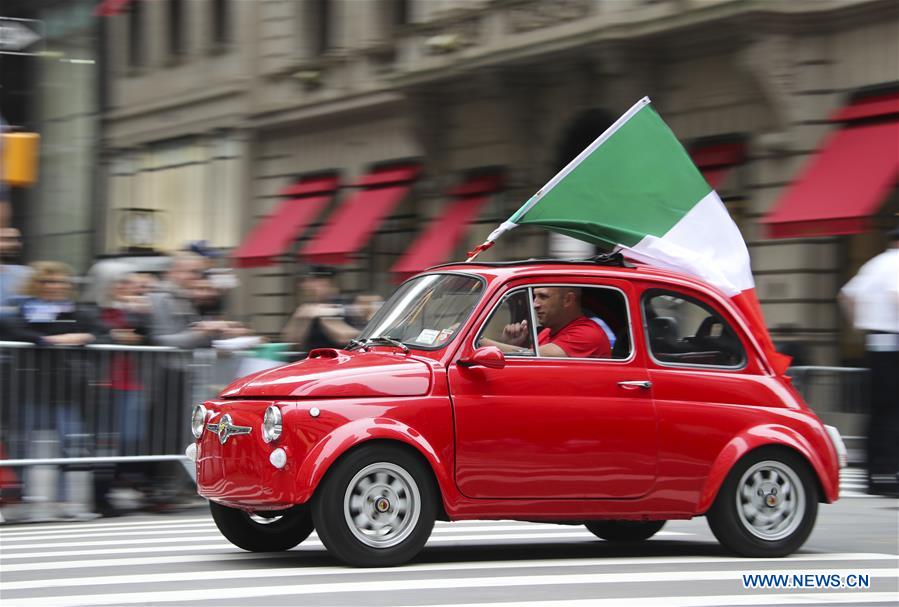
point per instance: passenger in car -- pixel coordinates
(566, 330)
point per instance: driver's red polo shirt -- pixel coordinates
(581, 338)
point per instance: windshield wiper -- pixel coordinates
(379, 339)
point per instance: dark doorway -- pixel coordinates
(587, 126)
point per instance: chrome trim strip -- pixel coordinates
(225, 428)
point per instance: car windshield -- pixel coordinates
(425, 312)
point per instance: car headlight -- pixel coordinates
(271, 424)
(198, 421)
(838, 444)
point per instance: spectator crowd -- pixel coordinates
(125, 312)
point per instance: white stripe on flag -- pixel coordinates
(705, 243)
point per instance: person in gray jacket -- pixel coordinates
(174, 320)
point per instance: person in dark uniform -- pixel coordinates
(320, 321)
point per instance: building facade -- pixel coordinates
(217, 106)
(51, 86)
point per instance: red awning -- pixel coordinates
(436, 243)
(110, 8)
(717, 159)
(353, 222)
(870, 107)
(274, 234)
(848, 178)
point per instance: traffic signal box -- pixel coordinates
(19, 162)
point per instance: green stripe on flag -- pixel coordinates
(640, 181)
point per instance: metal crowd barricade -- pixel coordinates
(101, 403)
(841, 397)
(843, 389)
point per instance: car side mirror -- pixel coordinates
(487, 356)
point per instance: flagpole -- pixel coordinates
(510, 223)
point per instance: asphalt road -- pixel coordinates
(181, 559)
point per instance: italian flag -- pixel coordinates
(636, 191)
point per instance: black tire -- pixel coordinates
(780, 527)
(624, 531)
(286, 528)
(356, 488)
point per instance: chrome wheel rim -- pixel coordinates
(770, 500)
(382, 505)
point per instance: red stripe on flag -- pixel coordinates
(749, 305)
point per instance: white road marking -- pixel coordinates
(569, 535)
(299, 571)
(332, 588)
(233, 556)
(212, 531)
(803, 598)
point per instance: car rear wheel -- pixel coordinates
(263, 531)
(624, 531)
(376, 507)
(767, 505)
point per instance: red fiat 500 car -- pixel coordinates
(571, 392)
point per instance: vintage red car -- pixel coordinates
(444, 409)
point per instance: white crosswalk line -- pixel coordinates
(182, 560)
(235, 556)
(98, 525)
(211, 530)
(347, 587)
(166, 522)
(223, 544)
(437, 567)
(804, 598)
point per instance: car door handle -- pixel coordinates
(631, 385)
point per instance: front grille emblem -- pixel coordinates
(226, 429)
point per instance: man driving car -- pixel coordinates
(566, 332)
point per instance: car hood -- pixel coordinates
(329, 373)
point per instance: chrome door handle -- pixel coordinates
(630, 385)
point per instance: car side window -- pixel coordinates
(684, 330)
(511, 310)
(555, 308)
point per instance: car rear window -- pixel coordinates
(682, 330)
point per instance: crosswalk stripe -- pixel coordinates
(200, 527)
(443, 568)
(210, 529)
(493, 537)
(230, 556)
(167, 523)
(97, 525)
(802, 598)
(439, 533)
(332, 588)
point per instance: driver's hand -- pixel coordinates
(516, 334)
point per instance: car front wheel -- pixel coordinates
(263, 531)
(767, 505)
(624, 531)
(376, 507)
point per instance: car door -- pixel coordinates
(553, 427)
(708, 383)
